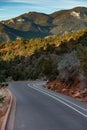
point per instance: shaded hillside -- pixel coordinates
(8, 33)
(33, 24)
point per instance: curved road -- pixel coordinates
(42, 109)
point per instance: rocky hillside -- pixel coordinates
(33, 24)
(72, 90)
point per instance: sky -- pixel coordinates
(13, 8)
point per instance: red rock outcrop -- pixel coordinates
(73, 89)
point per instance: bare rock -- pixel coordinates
(76, 95)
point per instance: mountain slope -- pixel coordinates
(7, 33)
(29, 21)
(69, 20)
(33, 24)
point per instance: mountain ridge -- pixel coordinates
(35, 24)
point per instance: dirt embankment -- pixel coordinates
(4, 104)
(73, 89)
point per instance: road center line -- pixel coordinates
(58, 100)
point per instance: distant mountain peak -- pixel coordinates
(82, 11)
(79, 8)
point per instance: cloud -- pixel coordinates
(49, 3)
(13, 8)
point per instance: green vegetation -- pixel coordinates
(39, 57)
(82, 55)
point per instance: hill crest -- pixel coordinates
(35, 24)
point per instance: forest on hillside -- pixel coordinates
(41, 58)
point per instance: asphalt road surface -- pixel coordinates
(42, 109)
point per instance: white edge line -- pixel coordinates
(60, 101)
(65, 100)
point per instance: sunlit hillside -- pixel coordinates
(39, 58)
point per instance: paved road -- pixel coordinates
(42, 109)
